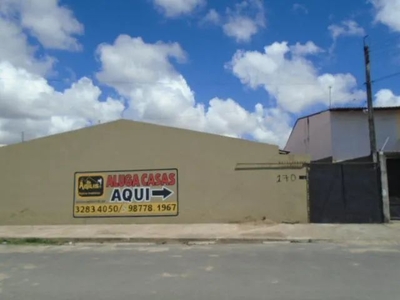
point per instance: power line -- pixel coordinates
(393, 49)
(385, 41)
(386, 77)
(389, 45)
(387, 49)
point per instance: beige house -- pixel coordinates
(131, 172)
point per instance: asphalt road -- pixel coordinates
(272, 271)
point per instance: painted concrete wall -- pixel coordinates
(312, 136)
(350, 135)
(37, 177)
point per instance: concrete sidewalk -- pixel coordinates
(223, 233)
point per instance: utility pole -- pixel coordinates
(370, 105)
(330, 97)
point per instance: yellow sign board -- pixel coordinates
(135, 193)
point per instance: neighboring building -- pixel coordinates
(341, 134)
(132, 172)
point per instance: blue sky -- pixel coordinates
(243, 68)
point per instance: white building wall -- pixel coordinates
(312, 136)
(350, 134)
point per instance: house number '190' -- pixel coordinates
(286, 178)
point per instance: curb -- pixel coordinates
(156, 241)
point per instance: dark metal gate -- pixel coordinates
(393, 174)
(345, 193)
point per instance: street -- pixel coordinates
(279, 271)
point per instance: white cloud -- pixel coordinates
(308, 48)
(28, 102)
(291, 79)
(242, 22)
(132, 62)
(301, 8)
(228, 117)
(386, 97)
(175, 8)
(53, 25)
(157, 93)
(245, 20)
(142, 73)
(240, 28)
(346, 28)
(212, 17)
(16, 49)
(387, 12)
(39, 110)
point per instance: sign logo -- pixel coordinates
(90, 186)
(135, 193)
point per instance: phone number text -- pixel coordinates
(126, 209)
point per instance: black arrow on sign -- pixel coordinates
(164, 193)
